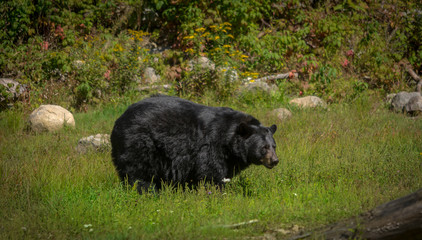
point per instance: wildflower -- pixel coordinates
(188, 37)
(350, 53)
(226, 46)
(217, 37)
(227, 23)
(345, 63)
(292, 73)
(251, 81)
(189, 50)
(230, 36)
(200, 29)
(44, 46)
(107, 74)
(243, 56)
(205, 34)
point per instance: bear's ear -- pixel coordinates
(244, 130)
(273, 128)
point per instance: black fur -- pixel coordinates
(169, 139)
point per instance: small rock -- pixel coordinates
(414, 106)
(13, 90)
(389, 98)
(78, 64)
(259, 87)
(98, 142)
(309, 101)
(401, 99)
(151, 76)
(50, 118)
(165, 87)
(280, 113)
(229, 74)
(201, 63)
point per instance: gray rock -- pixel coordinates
(98, 142)
(201, 63)
(255, 87)
(401, 99)
(281, 113)
(78, 64)
(389, 98)
(414, 106)
(13, 90)
(309, 101)
(229, 74)
(151, 76)
(50, 118)
(165, 87)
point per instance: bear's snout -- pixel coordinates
(270, 160)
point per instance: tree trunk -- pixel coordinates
(398, 219)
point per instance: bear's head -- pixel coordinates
(259, 143)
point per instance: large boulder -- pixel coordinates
(50, 118)
(309, 101)
(414, 106)
(98, 142)
(401, 99)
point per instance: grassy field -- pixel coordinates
(334, 164)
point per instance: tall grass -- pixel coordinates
(334, 164)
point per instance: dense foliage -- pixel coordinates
(82, 52)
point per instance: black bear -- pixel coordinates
(169, 139)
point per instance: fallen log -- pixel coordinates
(291, 74)
(413, 74)
(398, 219)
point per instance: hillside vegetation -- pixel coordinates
(81, 53)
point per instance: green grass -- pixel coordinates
(335, 164)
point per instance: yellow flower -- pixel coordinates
(227, 24)
(217, 37)
(226, 46)
(205, 34)
(188, 37)
(251, 81)
(189, 50)
(200, 29)
(244, 56)
(230, 36)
